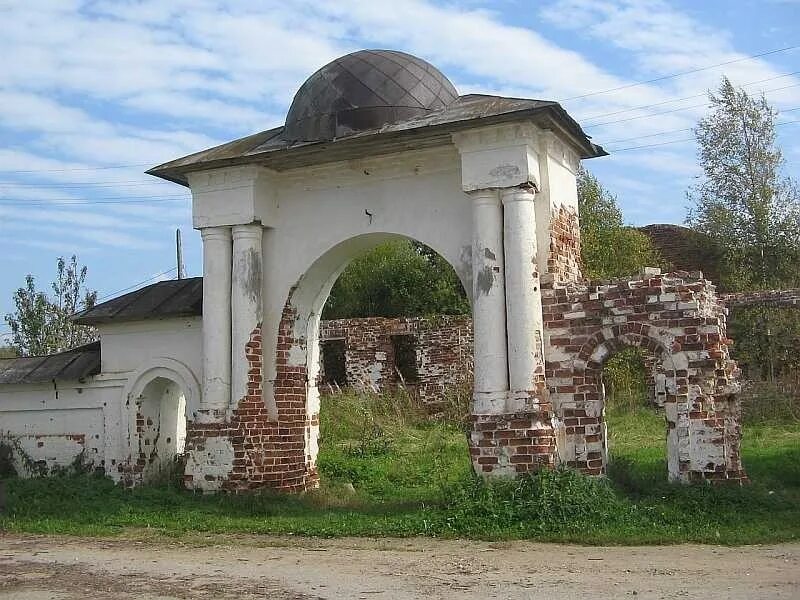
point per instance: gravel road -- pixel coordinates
(287, 568)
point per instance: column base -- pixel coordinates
(489, 403)
(509, 444)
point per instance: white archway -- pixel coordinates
(160, 399)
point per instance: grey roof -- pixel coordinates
(174, 298)
(271, 148)
(365, 90)
(71, 365)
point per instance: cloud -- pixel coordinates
(139, 82)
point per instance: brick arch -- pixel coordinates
(678, 319)
(593, 356)
(656, 353)
(658, 361)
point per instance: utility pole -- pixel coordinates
(179, 254)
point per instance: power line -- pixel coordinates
(104, 200)
(652, 145)
(112, 197)
(678, 141)
(71, 184)
(136, 285)
(672, 110)
(77, 169)
(88, 202)
(639, 137)
(130, 287)
(625, 110)
(680, 74)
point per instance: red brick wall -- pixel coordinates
(267, 452)
(443, 348)
(674, 317)
(564, 260)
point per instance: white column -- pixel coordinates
(216, 323)
(245, 291)
(488, 303)
(523, 299)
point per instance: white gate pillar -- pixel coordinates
(488, 303)
(246, 293)
(523, 297)
(216, 323)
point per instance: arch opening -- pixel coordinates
(161, 429)
(375, 353)
(633, 382)
(631, 387)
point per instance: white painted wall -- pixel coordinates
(326, 216)
(49, 419)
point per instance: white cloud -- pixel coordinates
(139, 82)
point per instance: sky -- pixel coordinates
(94, 93)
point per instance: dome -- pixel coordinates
(365, 90)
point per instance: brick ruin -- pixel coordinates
(427, 356)
(677, 319)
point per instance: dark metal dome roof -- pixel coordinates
(365, 90)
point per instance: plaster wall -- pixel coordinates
(129, 346)
(54, 422)
(363, 203)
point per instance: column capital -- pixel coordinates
(485, 196)
(215, 233)
(518, 193)
(249, 230)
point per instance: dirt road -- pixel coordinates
(286, 568)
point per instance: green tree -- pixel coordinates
(608, 247)
(399, 278)
(41, 324)
(743, 202)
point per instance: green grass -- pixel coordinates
(411, 476)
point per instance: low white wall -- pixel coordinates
(54, 422)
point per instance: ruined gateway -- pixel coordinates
(378, 145)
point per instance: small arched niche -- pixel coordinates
(160, 428)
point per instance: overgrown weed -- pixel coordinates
(387, 469)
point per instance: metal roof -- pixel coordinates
(271, 148)
(365, 90)
(174, 298)
(70, 365)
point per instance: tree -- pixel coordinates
(401, 278)
(743, 202)
(608, 247)
(42, 324)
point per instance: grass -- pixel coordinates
(388, 471)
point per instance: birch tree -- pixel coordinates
(743, 202)
(41, 323)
